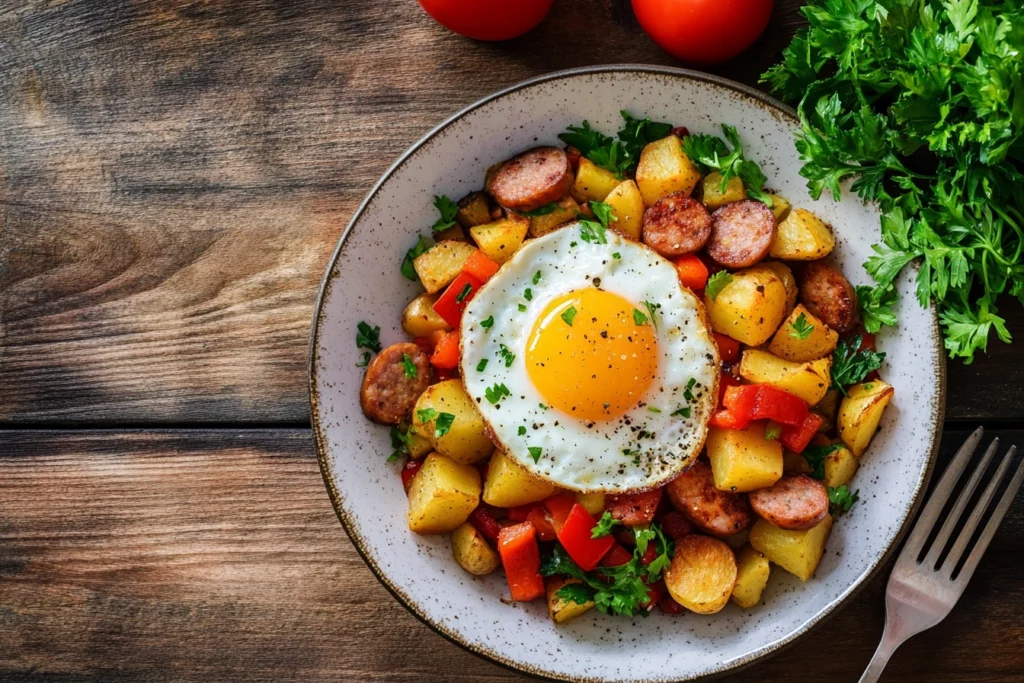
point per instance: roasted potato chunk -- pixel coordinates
(802, 237)
(592, 183)
(749, 308)
(474, 209)
(442, 495)
(560, 610)
(465, 440)
(742, 459)
(702, 574)
(794, 462)
(664, 168)
(440, 264)
(798, 552)
(860, 412)
(789, 344)
(627, 209)
(502, 238)
(780, 207)
(508, 485)
(752, 570)
(715, 196)
(788, 281)
(840, 466)
(419, 318)
(565, 211)
(809, 381)
(472, 551)
(591, 502)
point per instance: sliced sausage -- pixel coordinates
(634, 509)
(676, 225)
(829, 296)
(389, 393)
(741, 233)
(693, 493)
(533, 179)
(795, 502)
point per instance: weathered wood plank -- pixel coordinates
(215, 555)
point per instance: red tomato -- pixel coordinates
(703, 31)
(488, 19)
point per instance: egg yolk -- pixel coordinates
(588, 356)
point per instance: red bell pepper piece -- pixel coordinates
(617, 556)
(692, 271)
(796, 438)
(538, 517)
(634, 509)
(455, 299)
(480, 267)
(575, 538)
(409, 471)
(483, 519)
(520, 556)
(650, 555)
(669, 606)
(559, 506)
(654, 593)
(725, 381)
(739, 407)
(728, 348)
(867, 341)
(446, 353)
(521, 512)
(675, 525)
(777, 404)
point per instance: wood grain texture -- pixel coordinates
(174, 175)
(215, 555)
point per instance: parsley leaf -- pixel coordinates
(604, 525)
(425, 415)
(535, 452)
(841, 500)
(466, 291)
(850, 366)
(815, 456)
(682, 412)
(482, 365)
(603, 150)
(365, 361)
(772, 431)
(652, 311)
(368, 337)
(876, 306)
(409, 367)
(636, 134)
(442, 424)
(401, 441)
(496, 393)
(487, 323)
(710, 153)
(422, 244)
(536, 277)
(447, 208)
(542, 211)
(800, 328)
(568, 315)
(716, 283)
(522, 430)
(528, 294)
(506, 355)
(638, 317)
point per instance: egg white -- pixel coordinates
(576, 454)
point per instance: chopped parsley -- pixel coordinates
(425, 415)
(522, 308)
(496, 393)
(568, 315)
(522, 430)
(542, 406)
(365, 361)
(422, 244)
(401, 441)
(682, 412)
(535, 452)
(443, 424)
(466, 291)
(409, 367)
(596, 232)
(368, 337)
(652, 409)
(616, 254)
(652, 310)
(841, 500)
(638, 317)
(711, 153)
(850, 366)
(528, 294)
(506, 355)
(482, 365)
(619, 156)
(800, 328)
(487, 323)
(536, 277)
(604, 525)
(688, 392)
(772, 431)
(542, 211)
(716, 283)
(448, 209)
(816, 455)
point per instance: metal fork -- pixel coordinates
(922, 593)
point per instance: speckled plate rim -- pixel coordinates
(758, 98)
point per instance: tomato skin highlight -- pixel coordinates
(488, 19)
(703, 31)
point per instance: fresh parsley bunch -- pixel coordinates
(620, 156)
(921, 104)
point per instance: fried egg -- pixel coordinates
(592, 366)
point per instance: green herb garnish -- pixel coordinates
(365, 361)
(716, 283)
(604, 525)
(711, 153)
(442, 424)
(448, 209)
(368, 337)
(401, 441)
(841, 500)
(568, 315)
(466, 291)
(496, 393)
(772, 431)
(542, 211)
(850, 366)
(816, 455)
(528, 294)
(487, 323)
(522, 430)
(482, 365)
(535, 452)
(409, 367)
(425, 415)
(800, 328)
(506, 355)
(422, 244)
(536, 277)
(638, 317)
(682, 412)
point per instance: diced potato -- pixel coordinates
(418, 446)
(798, 552)
(592, 183)
(860, 412)
(419, 318)
(802, 237)
(840, 466)
(454, 233)
(442, 495)
(780, 207)
(591, 502)
(560, 610)
(474, 209)
(750, 308)
(440, 264)
(742, 459)
(809, 381)
(627, 209)
(473, 552)
(664, 168)
(508, 485)
(501, 239)
(788, 281)
(794, 462)
(566, 212)
(752, 570)
(465, 441)
(827, 408)
(820, 342)
(715, 196)
(702, 574)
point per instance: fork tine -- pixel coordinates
(932, 559)
(940, 495)
(957, 551)
(993, 523)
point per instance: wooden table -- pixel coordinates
(173, 177)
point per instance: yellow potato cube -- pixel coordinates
(788, 281)
(440, 264)
(442, 495)
(664, 168)
(840, 466)
(715, 196)
(742, 459)
(627, 209)
(749, 308)
(472, 551)
(508, 485)
(752, 570)
(802, 237)
(561, 610)
(565, 211)
(474, 209)
(789, 344)
(809, 381)
(798, 552)
(794, 462)
(860, 412)
(780, 207)
(591, 502)
(465, 440)
(419, 318)
(592, 183)
(501, 239)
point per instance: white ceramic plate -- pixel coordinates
(364, 283)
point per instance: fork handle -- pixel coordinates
(892, 638)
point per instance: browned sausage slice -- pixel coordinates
(389, 393)
(795, 502)
(829, 296)
(676, 225)
(741, 233)
(693, 493)
(533, 179)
